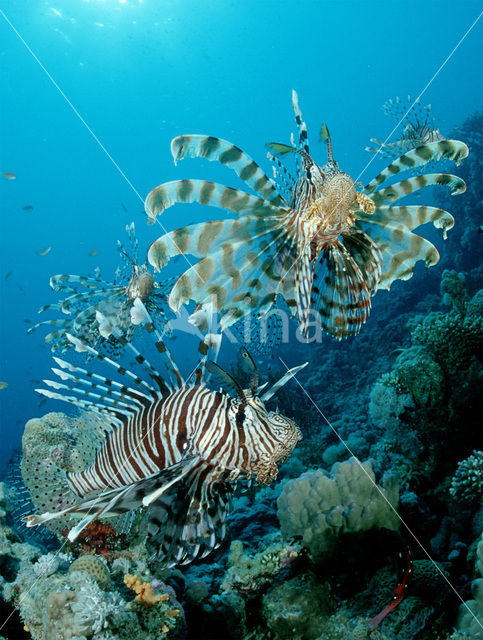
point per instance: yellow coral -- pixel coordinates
(145, 592)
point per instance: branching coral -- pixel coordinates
(144, 590)
(467, 482)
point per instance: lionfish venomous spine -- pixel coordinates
(313, 238)
(171, 446)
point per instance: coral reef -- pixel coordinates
(59, 598)
(319, 506)
(426, 405)
(470, 619)
(249, 574)
(298, 609)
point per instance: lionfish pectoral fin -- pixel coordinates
(343, 286)
(115, 502)
(156, 486)
(188, 520)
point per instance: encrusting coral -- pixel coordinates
(319, 506)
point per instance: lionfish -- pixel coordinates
(421, 128)
(313, 238)
(90, 298)
(169, 445)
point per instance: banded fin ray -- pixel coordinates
(411, 185)
(204, 238)
(64, 282)
(453, 150)
(411, 217)
(82, 347)
(169, 364)
(70, 304)
(341, 297)
(223, 151)
(301, 126)
(253, 283)
(401, 249)
(83, 377)
(188, 523)
(205, 193)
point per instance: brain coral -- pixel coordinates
(95, 567)
(319, 506)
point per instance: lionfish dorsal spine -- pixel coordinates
(86, 378)
(301, 126)
(122, 371)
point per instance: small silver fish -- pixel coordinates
(3, 385)
(28, 207)
(9, 175)
(44, 252)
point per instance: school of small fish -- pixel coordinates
(311, 238)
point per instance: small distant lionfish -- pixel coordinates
(113, 301)
(421, 128)
(174, 447)
(314, 239)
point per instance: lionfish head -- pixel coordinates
(141, 284)
(286, 433)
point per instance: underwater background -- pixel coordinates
(92, 92)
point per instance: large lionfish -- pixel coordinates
(174, 447)
(314, 239)
(90, 298)
(421, 128)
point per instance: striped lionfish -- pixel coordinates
(90, 298)
(316, 240)
(421, 128)
(174, 447)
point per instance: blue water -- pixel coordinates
(139, 73)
